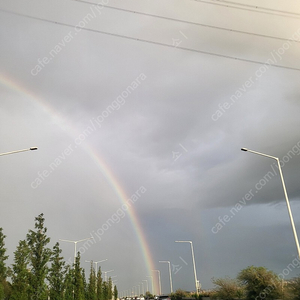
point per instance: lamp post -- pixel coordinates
(75, 243)
(106, 274)
(96, 263)
(285, 194)
(194, 264)
(143, 291)
(152, 283)
(147, 289)
(166, 261)
(17, 151)
(159, 282)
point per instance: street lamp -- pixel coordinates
(147, 289)
(143, 291)
(75, 243)
(152, 283)
(159, 282)
(96, 263)
(166, 261)
(17, 151)
(106, 274)
(194, 264)
(285, 194)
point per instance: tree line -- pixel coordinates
(256, 283)
(40, 273)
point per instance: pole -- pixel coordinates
(17, 151)
(171, 284)
(285, 194)
(159, 282)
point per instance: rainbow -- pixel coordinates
(92, 153)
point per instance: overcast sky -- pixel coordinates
(160, 118)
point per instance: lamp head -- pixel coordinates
(244, 149)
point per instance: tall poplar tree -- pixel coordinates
(3, 269)
(110, 289)
(20, 272)
(99, 285)
(104, 290)
(115, 293)
(69, 284)
(92, 295)
(56, 274)
(39, 257)
(78, 280)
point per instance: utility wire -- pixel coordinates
(247, 9)
(153, 42)
(259, 7)
(191, 23)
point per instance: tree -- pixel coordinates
(56, 274)
(39, 258)
(293, 288)
(92, 295)
(178, 295)
(148, 295)
(109, 288)
(20, 273)
(68, 284)
(104, 290)
(260, 283)
(99, 285)
(3, 269)
(227, 288)
(115, 293)
(78, 280)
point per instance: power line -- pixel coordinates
(259, 7)
(191, 23)
(247, 9)
(153, 42)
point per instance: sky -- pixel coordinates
(139, 110)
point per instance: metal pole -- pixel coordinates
(171, 284)
(17, 151)
(285, 194)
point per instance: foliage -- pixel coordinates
(39, 258)
(3, 257)
(293, 289)
(178, 295)
(99, 285)
(227, 289)
(56, 274)
(92, 294)
(20, 272)
(260, 283)
(79, 293)
(115, 292)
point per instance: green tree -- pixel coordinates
(260, 283)
(148, 295)
(178, 295)
(56, 274)
(99, 285)
(115, 293)
(20, 272)
(39, 258)
(79, 292)
(3, 269)
(293, 289)
(104, 290)
(109, 289)
(92, 294)
(227, 288)
(69, 284)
